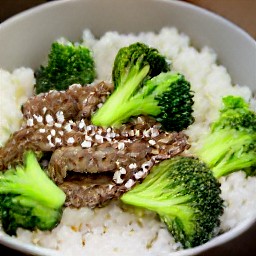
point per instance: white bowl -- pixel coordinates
(26, 37)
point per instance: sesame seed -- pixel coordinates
(51, 144)
(131, 133)
(81, 124)
(154, 132)
(99, 105)
(68, 127)
(53, 132)
(60, 117)
(70, 140)
(49, 119)
(152, 142)
(58, 140)
(137, 132)
(30, 122)
(139, 175)
(42, 130)
(89, 128)
(44, 110)
(39, 118)
(88, 138)
(146, 133)
(86, 144)
(117, 177)
(58, 125)
(99, 138)
(61, 133)
(129, 183)
(49, 137)
(120, 145)
(132, 166)
(122, 170)
(112, 135)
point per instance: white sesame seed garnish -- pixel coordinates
(112, 135)
(117, 177)
(44, 110)
(152, 142)
(146, 133)
(58, 125)
(99, 105)
(122, 170)
(30, 122)
(88, 138)
(133, 166)
(108, 129)
(89, 128)
(53, 132)
(58, 141)
(81, 124)
(38, 118)
(137, 132)
(139, 175)
(60, 117)
(154, 132)
(99, 138)
(49, 119)
(68, 127)
(120, 145)
(86, 144)
(131, 133)
(70, 140)
(61, 133)
(42, 130)
(49, 137)
(51, 144)
(129, 183)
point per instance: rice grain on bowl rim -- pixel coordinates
(117, 229)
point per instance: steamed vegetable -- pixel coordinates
(68, 63)
(28, 198)
(145, 86)
(185, 195)
(231, 144)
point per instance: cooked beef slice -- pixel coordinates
(108, 161)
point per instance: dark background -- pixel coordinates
(240, 12)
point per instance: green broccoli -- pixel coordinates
(28, 198)
(145, 86)
(231, 144)
(68, 63)
(185, 195)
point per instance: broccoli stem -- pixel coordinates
(119, 97)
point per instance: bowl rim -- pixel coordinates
(16, 244)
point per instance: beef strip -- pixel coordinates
(91, 164)
(75, 103)
(96, 190)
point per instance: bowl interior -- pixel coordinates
(25, 40)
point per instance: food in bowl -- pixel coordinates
(85, 228)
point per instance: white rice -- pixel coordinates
(113, 230)
(15, 88)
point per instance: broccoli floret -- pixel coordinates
(145, 86)
(231, 144)
(28, 198)
(68, 63)
(185, 195)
